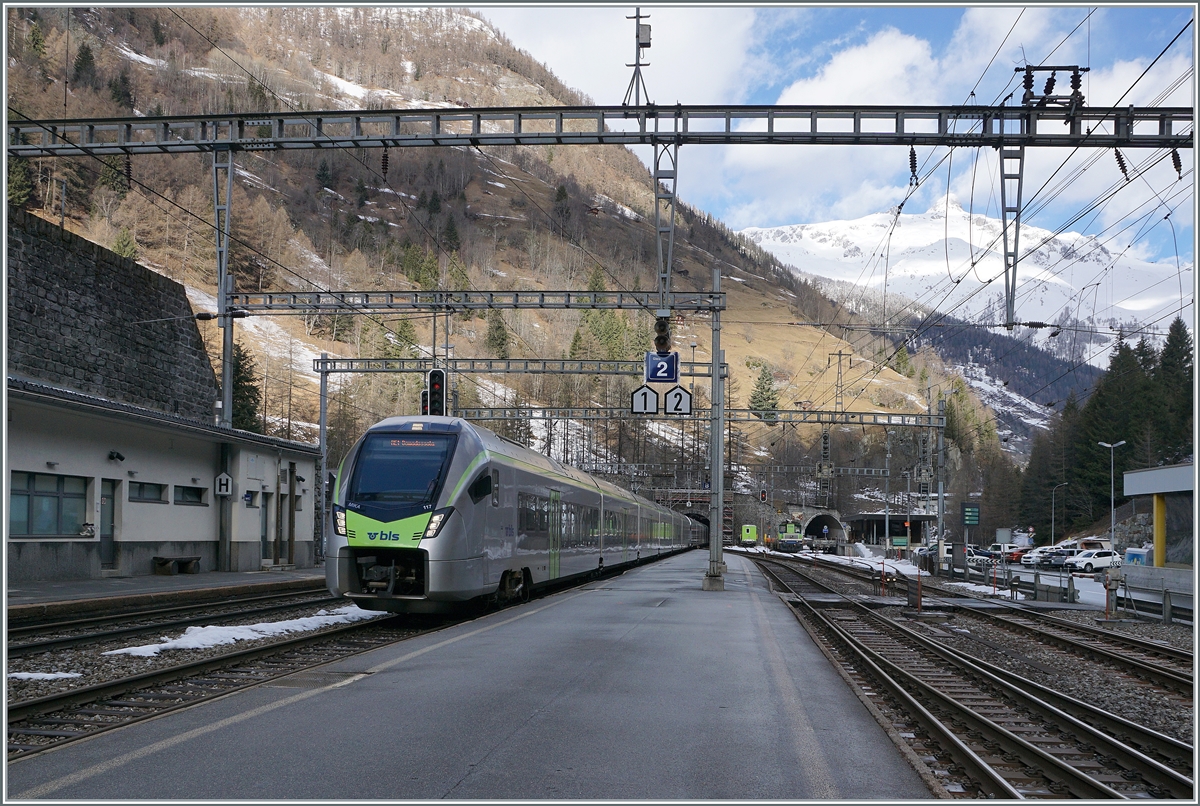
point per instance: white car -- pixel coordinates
(1090, 560)
(1033, 556)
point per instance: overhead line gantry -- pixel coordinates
(1045, 121)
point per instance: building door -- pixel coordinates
(108, 516)
(555, 532)
(264, 527)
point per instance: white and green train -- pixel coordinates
(431, 513)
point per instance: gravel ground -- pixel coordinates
(96, 667)
(1095, 683)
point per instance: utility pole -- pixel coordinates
(641, 38)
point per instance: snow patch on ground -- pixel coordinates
(205, 637)
(43, 675)
(125, 51)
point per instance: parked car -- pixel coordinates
(999, 550)
(1016, 554)
(1090, 560)
(1059, 557)
(1032, 557)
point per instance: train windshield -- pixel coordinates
(401, 468)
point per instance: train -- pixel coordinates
(749, 535)
(432, 514)
(790, 539)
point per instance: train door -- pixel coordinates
(555, 533)
(108, 519)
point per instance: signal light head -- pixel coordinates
(662, 334)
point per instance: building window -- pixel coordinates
(145, 492)
(46, 504)
(189, 496)
(299, 501)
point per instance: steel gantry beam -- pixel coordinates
(960, 126)
(736, 415)
(493, 366)
(363, 301)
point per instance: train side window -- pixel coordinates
(481, 488)
(495, 488)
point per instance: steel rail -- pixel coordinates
(1175, 679)
(962, 126)
(899, 681)
(34, 647)
(53, 702)
(124, 615)
(1088, 716)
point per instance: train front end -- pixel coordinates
(397, 542)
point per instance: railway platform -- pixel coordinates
(26, 601)
(637, 686)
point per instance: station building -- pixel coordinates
(114, 463)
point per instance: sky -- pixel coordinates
(895, 55)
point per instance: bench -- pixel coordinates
(176, 565)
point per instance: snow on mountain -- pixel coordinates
(948, 260)
(1016, 416)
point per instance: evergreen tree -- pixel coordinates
(20, 186)
(764, 397)
(360, 192)
(1173, 378)
(125, 245)
(37, 40)
(112, 176)
(247, 397)
(84, 69)
(456, 275)
(1112, 413)
(497, 334)
(156, 31)
(450, 235)
(324, 175)
(121, 90)
(435, 204)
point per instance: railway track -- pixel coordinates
(77, 632)
(1163, 665)
(37, 725)
(984, 731)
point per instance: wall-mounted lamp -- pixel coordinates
(115, 456)
(132, 473)
(195, 480)
(300, 479)
(51, 465)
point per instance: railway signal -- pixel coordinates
(762, 496)
(437, 393)
(424, 402)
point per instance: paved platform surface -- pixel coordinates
(77, 597)
(641, 686)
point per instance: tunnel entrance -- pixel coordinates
(815, 528)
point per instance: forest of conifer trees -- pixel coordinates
(1145, 398)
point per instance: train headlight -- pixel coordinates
(437, 521)
(339, 520)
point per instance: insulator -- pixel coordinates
(1076, 80)
(383, 162)
(128, 172)
(1049, 90)
(1028, 80)
(912, 164)
(1121, 164)
(1175, 161)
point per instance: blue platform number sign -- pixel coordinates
(662, 368)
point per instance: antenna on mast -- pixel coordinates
(637, 85)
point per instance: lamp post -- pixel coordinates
(1112, 487)
(1052, 492)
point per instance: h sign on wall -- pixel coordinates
(223, 484)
